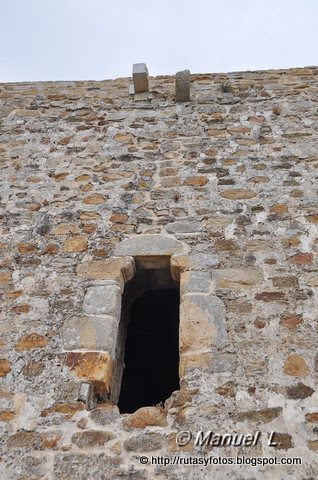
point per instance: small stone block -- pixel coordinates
(140, 77)
(131, 89)
(183, 86)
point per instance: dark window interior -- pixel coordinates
(151, 350)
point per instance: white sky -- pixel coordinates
(100, 39)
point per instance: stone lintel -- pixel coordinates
(149, 245)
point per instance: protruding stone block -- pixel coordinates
(183, 86)
(140, 77)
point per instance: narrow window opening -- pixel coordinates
(151, 354)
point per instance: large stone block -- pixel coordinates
(90, 333)
(103, 299)
(140, 77)
(183, 86)
(95, 367)
(202, 323)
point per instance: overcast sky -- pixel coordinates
(100, 39)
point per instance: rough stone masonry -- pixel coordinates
(232, 177)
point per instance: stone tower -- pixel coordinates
(106, 195)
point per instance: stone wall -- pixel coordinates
(232, 175)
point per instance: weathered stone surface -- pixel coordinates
(5, 367)
(146, 417)
(183, 86)
(6, 415)
(94, 199)
(68, 409)
(295, 366)
(291, 321)
(103, 299)
(196, 262)
(310, 279)
(51, 439)
(238, 279)
(66, 229)
(198, 181)
(312, 417)
(75, 245)
(270, 296)
(33, 369)
(5, 277)
(88, 465)
(92, 366)
(140, 77)
(29, 342)
(194, 282)
(23, 439)
(145, 442)
(301, 259)
(183, 227)
(264, 415)
(202, 323)
(21, 309)
(105, 414)
(91, 438)
(299, 391)
(180, 397)
(111, 269)
(284, 441)
(98, 332)
(313, 445)
(207, 362)
(238, 194)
